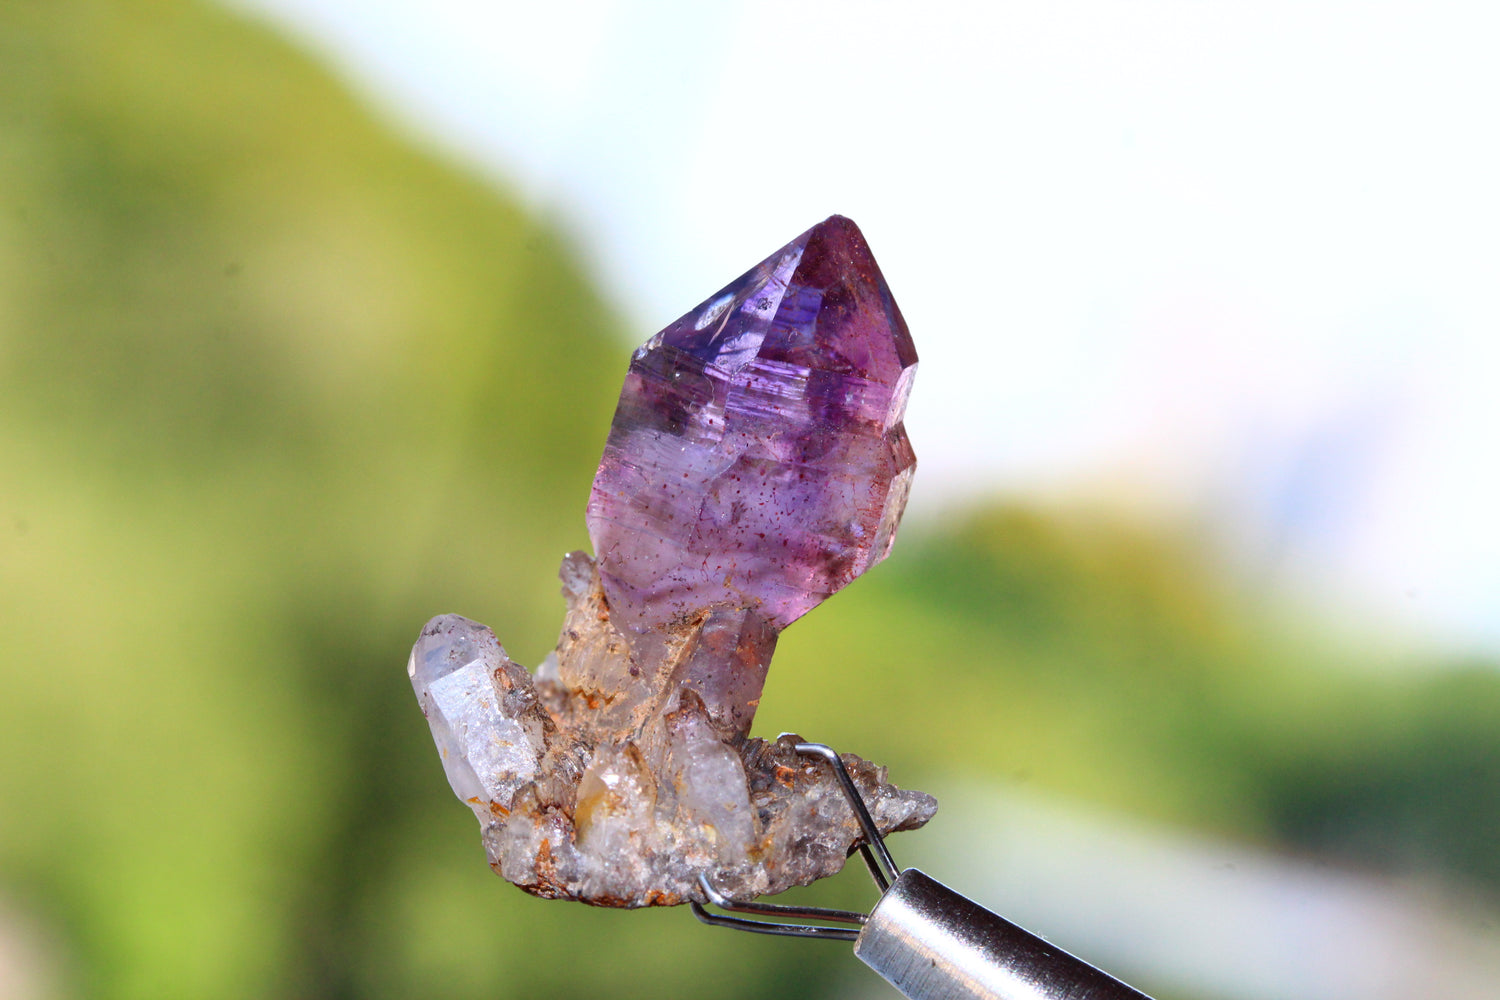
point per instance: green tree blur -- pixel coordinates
(276, 386)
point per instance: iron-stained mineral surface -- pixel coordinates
(757, 463)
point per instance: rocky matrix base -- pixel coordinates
(757, 463)
(601, 781)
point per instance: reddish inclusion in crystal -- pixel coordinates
(757, 457)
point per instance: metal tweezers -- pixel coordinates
(925, 939)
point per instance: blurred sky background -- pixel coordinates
(1233, 262)
(312, 317)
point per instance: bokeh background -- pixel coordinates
(312, 317)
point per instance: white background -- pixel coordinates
(1229, 263)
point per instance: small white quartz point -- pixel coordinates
(487, 754)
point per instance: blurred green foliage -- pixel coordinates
(276, 386)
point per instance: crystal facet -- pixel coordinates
(756, 464)
(757, 457)
(490, 744)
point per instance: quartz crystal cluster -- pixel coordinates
(757, 463)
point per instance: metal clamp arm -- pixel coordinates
(933, 944)
(925, 939)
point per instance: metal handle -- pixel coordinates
(933, 944)
(925, 939)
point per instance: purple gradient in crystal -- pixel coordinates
(757, 457)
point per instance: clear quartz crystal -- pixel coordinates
(486, 752)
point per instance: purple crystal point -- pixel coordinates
(757, 457)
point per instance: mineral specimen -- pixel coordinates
(757, 463)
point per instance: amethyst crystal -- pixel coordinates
(757, 459)
(757, 463)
